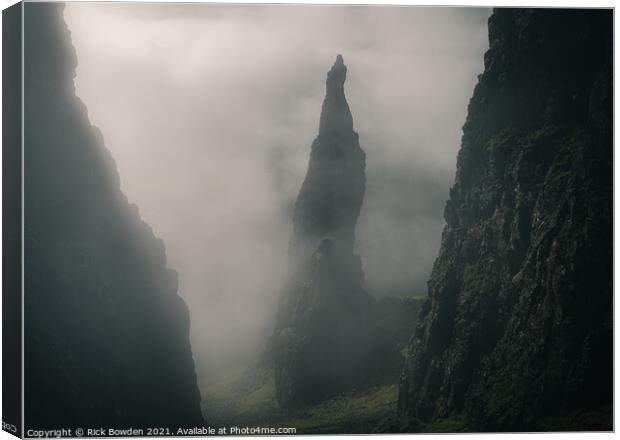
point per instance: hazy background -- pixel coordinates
(210, 110)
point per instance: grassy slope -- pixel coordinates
(231, 403)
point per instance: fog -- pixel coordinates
(210, 110)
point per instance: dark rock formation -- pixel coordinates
(326, 339)
(332, 193)
(331, 196)
(397, 317)
(518, 326)
(106, 335)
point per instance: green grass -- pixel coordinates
(235, 400)
(351, 413)
(239, 398)
(455, 424)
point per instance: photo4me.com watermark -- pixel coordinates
(158, 432)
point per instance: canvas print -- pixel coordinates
(286, 219)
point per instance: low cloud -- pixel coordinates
(210, 110)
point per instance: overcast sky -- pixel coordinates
(210, 111)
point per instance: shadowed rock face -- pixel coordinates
(518, 325)
(331, 196)
(332, 193)
(106, 335)
(326, 339)
(336, 119)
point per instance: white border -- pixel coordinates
(487, 3)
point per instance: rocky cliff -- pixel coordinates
(326, 338)
(106, 335)
(518, 326)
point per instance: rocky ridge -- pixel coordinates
(518, 327)
(106, 334)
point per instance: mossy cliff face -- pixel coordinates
(518, 325)
(106, 335)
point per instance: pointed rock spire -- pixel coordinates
(331, 196)
(336, 116)
(325, 340)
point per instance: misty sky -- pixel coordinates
(210, 111)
